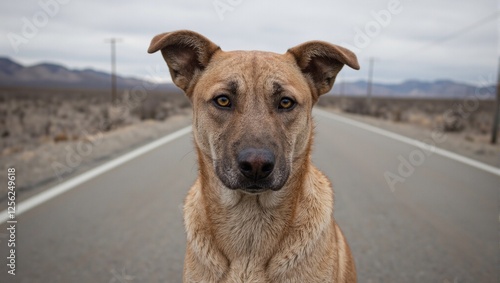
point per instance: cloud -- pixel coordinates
(406, 46)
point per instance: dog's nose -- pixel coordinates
(255, 163)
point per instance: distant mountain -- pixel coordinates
(8, 66)
(13, 74)
(414, 88)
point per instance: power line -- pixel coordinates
(466, 29)
(455, 34)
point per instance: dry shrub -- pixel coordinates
(453, 122)
(452, 115)
(29, 117)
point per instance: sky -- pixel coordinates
(408, 39)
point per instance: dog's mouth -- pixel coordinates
(254, 189)
(258, 188)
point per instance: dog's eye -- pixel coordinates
(286, 103)
(222, 101)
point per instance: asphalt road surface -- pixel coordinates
(440, 225)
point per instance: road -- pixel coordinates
(125, 225)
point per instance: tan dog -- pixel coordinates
(259, 211)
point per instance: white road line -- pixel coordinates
(74, 182)
(413, 142)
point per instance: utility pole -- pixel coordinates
(113, 42)
(369, 87)
(496, 115)
(342, 88)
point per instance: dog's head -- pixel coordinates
(252, 110)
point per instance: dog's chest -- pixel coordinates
(249, 231)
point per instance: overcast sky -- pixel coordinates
(424, 40)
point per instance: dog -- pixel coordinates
(259, 211)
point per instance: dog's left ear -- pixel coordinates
(187, 54)
(321, 62)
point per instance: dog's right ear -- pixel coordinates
(186, 52)
(321, 61)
